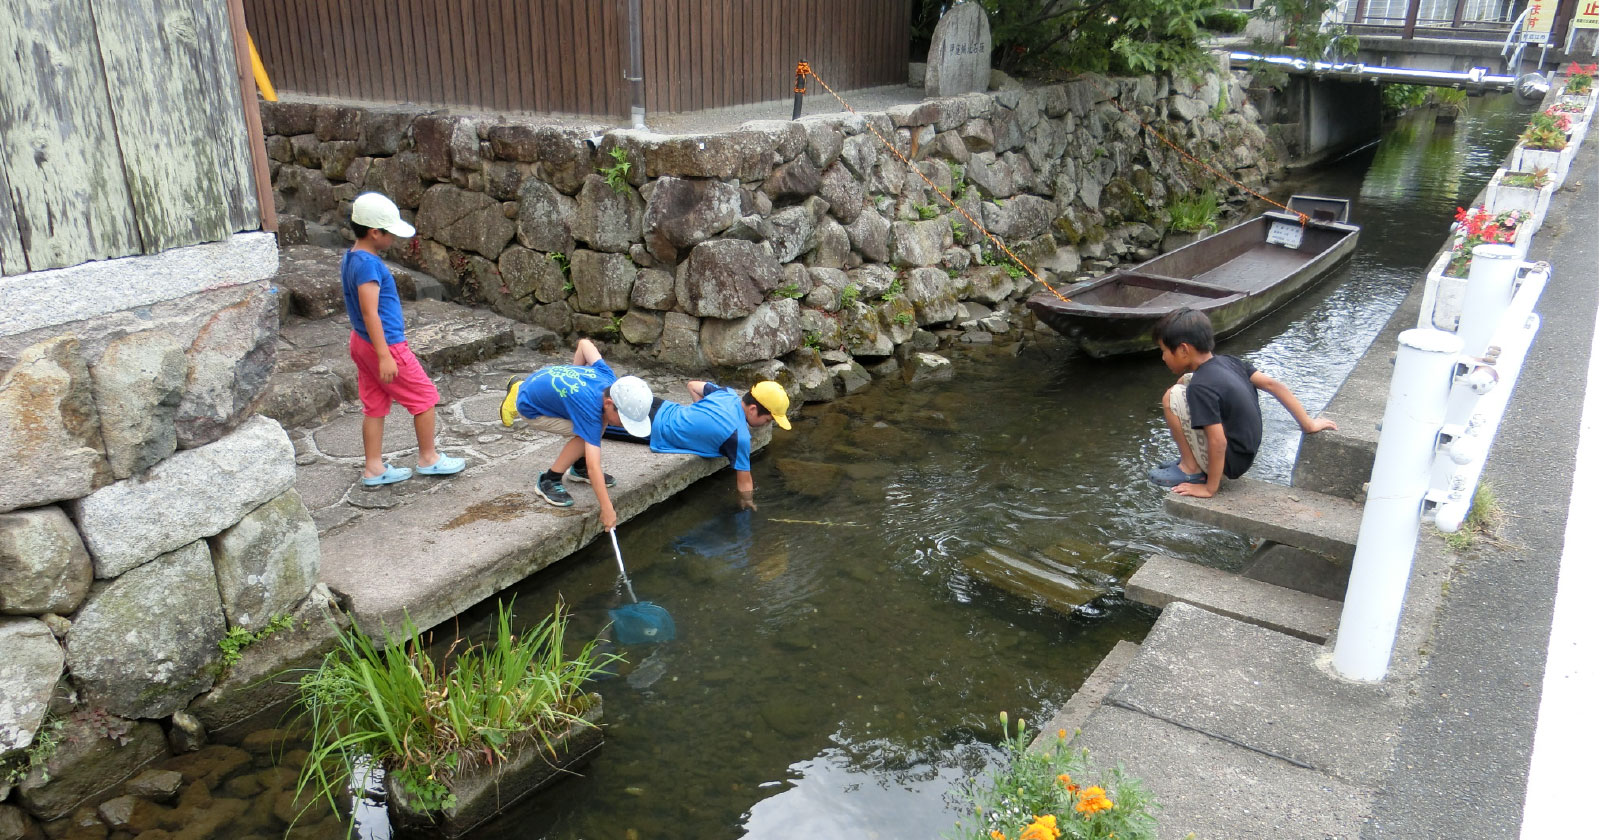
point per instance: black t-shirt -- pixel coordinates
(1220, 392)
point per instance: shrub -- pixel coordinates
(1397, 98)
(1227, 21)
(1047, 793)
(1450, 96)
(423, 723)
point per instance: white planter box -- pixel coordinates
(1441, 298)
(1524, 159)
(1499, 198)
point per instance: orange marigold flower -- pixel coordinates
(1064, 779)
(997, 834)
(1093, 801)
(1061, 733)
(1042, 828)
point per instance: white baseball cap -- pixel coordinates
(633, 399)
(375, 210)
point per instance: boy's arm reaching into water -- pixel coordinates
(1280, 392)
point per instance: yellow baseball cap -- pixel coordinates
(774, 399)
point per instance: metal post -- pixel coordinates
(1410, 30)
(636, 62)
(1490, 283)
(1388, 536)
(801, 70)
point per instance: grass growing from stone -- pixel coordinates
(1195, 213)
(1483, 524)
(424, 722)
(238, 639)
(1047, 793)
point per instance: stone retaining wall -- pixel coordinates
(804, 242)
(145, 509)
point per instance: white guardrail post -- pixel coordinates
(1418, 395)
(1445, 403)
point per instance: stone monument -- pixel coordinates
(958, 58)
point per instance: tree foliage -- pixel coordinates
(1305, 28)
(1111, 36)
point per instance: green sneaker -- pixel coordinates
(508, 406)
(579, 472)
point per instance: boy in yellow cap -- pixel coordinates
(717, 424)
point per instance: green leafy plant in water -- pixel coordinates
(1049, 791)
(1195, 213)
(424, 721)
(1449, 96)
(1397, 98)
(237, 639)
(616, 174)
(849, 296)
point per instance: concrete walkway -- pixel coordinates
(431, 547)
(1241, 731)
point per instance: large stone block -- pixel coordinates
(654, 288)
(564, 155)
(138, 384)
(684, 212)
(254, 683)
(771, 331)
(796, 179)
(790, 232)
(469, 221)
(843, 192)
(869, 235)
(679, 345)
(544, 217)
(608, 220)
(230, 363)
(90, 762)
(193, 494)
(920, 243)
(531, 276)
(49, 427)
(431, 137)
(266, 562)
(1023, 217)
(44, 567)
(747, 155)
(144, 645)
(28, 674)
(603, 282)
(932, 292)
(398, 177)
(726, 278)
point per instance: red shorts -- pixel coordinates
(411, 386)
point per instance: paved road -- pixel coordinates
(1461, 768)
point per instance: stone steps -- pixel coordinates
(1164, 580)
(1289, 515)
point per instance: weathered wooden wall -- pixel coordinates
(568, 56)
(121, 130)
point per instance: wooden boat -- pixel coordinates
(1235, 277)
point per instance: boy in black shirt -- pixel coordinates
(1213, 412)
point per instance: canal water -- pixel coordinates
(843, 653)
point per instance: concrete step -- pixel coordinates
(1061, 587)
(309, 276)
(1289, 515)
(314, 376)
(1164, 580)
(1088, 696)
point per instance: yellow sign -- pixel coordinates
(1541, 16)
(1588, 16)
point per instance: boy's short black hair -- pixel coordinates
(1185, 326)
(360, 231)
(761, 410)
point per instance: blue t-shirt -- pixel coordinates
(575, 392)
(713, 426)
(360, 267)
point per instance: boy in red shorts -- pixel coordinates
(386, 371)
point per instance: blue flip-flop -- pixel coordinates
(446, 465)
(391, 475)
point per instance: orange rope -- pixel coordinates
(948, 199)
(1192, 159)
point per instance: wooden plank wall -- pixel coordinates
(121, 130)
(568, 56)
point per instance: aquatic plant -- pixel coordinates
(1045, 794)
(396, 708)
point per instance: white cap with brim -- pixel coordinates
(633, 399)
(375, 210)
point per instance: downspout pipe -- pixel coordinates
(636, 62)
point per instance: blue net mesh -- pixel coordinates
(642, 623)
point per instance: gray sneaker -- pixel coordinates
(552, 492)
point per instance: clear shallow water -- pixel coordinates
(839, 664)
